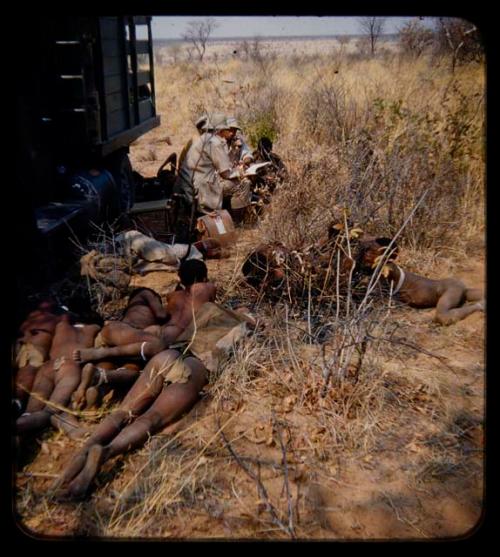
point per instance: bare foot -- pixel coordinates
(82, 355)
(79, 486)
(78, 397)
(72, 470)
(92, 396)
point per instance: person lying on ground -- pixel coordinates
(449, 296)
(143, 313)
(101, 380)
(57, 378)
(167, 388)
(181, 305)
(33, 347)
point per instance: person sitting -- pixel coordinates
(274, 174)
(203, 125)
(194, 291)
(144, 311)
(206, 174)
(240, 153)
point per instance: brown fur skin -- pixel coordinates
(449, 296)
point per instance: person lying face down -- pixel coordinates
(449, 296)
(267, 266)
(33, 347)
(167, 388)
(144, 312)
(57, 378)
(181, 305)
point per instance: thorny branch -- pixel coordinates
(260, 486)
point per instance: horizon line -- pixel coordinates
(274, 37)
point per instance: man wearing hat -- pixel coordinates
(206, 169)
(202, 125)
(239, 151)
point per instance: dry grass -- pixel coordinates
(328, 405)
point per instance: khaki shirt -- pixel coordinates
(205, 160)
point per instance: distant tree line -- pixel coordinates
(458, 38)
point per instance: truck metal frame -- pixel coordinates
(86, 91)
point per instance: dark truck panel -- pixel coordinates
(105, 99)
(85, 92)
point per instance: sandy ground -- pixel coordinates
(423, 477)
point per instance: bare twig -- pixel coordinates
(285, 474)
(260, 486)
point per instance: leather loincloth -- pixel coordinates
(29, 354)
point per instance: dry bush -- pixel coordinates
(372, 139)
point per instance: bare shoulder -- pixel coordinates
(205, 289)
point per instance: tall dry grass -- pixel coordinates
(372, 136)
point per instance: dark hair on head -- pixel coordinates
(191, 271)
(265, 145)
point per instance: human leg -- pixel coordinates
(23, 382)
(474, 295)
(449, 308)
(43, 385)
(141, 395)
(147, 347)
(66, 379)
(173, 401)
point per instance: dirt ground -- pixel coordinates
(421, 476)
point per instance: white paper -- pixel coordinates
(250, 171)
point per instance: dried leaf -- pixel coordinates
(288, 403)
(260, 507)
(355, 233)
(270, 440)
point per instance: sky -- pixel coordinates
(172, 27)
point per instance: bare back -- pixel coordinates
(144, 309)
(421, 292)
(69, 337)
(182, 304)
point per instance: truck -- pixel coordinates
(86, 91)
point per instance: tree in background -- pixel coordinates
(460, 39)
(415, 38)
(198, 32)
(372, 27)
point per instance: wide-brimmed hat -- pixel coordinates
(233, 123)
(219, 121)
(203, 123)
